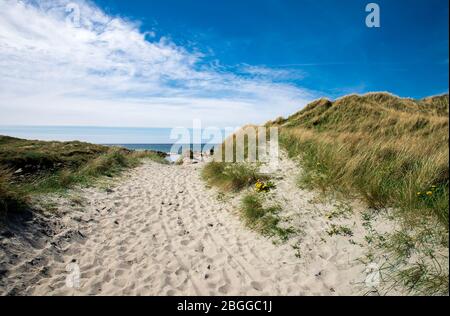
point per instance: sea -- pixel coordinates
(133, 138)
(166, 148)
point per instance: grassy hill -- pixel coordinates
(393, 153)
(29, 167)
(389, 150)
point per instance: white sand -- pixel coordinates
(162, 232)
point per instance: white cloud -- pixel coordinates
(61, 68)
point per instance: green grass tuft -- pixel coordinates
(263, 219)
(231, 176)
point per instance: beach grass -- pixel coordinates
(29, 168)
(11, 198)
(231, 176)
(389, 159)
(264, 219)
(391, 153)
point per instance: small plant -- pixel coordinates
(231, 176)
(342, 210)
(221, 197)
(425, 279)
(264, 186)
(77, 200)
(367, 217)
(430, 195)
(298, 253)
(263, 219)
(339, 230)
(369, 239)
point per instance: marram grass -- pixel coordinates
(391, 153)
(28, 167)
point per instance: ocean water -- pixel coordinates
(166, 148)
(129, 137)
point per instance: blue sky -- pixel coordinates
(164, 63)
(326, 40)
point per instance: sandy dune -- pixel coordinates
(160, 231)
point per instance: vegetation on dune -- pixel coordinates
(231, 176)
(35, 167)
(255, 210)
(389, 151)
(32, 156)
(264, 186)
(10, 198)
(237, 172)
(263, 219)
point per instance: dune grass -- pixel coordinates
(406, 173)
(387, 150)
(29, 168)
(238, 173)
(10, 197)
(231, 176)
(390, 152)
(32, 156)
(263, 219)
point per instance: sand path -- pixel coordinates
(160, 231)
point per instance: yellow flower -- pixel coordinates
(419, 193)
(429, 193)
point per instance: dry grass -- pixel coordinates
(10, 198)
(35, 167)
(378, 152)
(231, 176)
(384, 172)
(32, 156)
(391, 152)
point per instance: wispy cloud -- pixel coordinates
(61, 68)
(273, 74)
